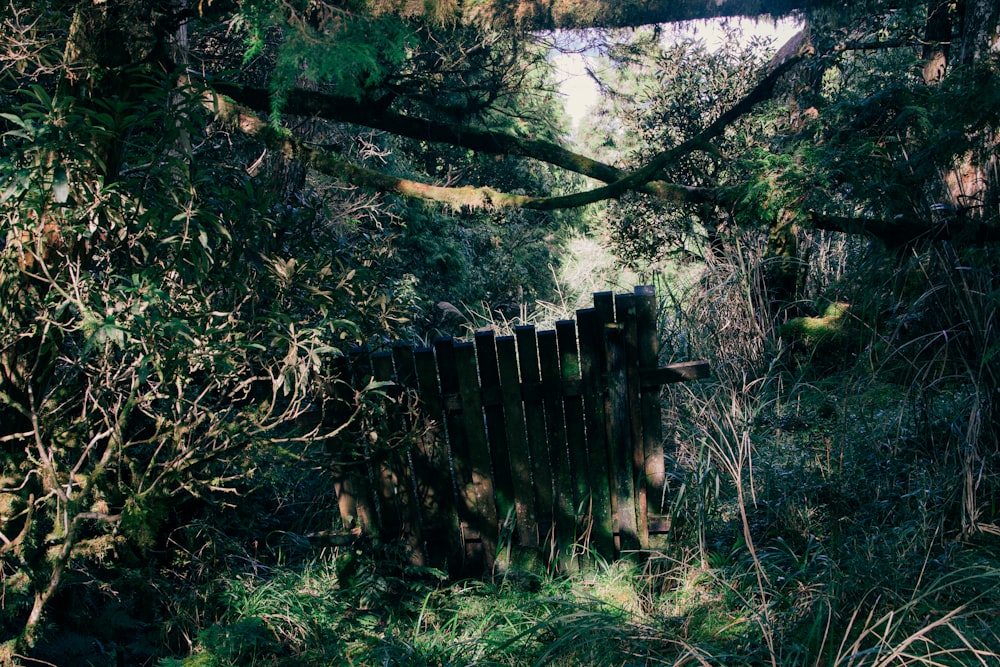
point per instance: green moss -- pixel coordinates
(818, 331)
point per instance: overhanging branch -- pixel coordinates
(322, 105)
(249, 123)
(245, 119)
(902, 231)
(759, 93)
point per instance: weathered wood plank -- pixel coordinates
(362, 485)
(654, 476)
(620, 439)
(430, 462)
(351, 489)
(565, 519)
(576, 437)
(406, 377)
(625, 312)
(496, 426)
(517, 441)
(659, 525)
(591, 335)
(534, 421)
(604, 304)
(477, 492)
(456, 446)
(385, 462)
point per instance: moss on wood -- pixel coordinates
(823, 331)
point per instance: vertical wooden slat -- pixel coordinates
(517, 441)
(654, 460)
(620, 437)
(565, 520)
(430, 462)
(604, 304)
(576, 438)
(473, 472)
(633, 534)
(626, 316)
(350, 487)
(496, 428)
(361, 484)
(456, 446)
(346, 483)
(591, 344)
(534, 419)
(385, 463)
(402, 359)
(406, 377)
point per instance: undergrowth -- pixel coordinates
(830, 507)
(838, 551)
(833, 504)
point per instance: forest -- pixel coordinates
(207, 207)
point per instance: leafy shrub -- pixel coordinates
(156, 327)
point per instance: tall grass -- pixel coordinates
(829, 510)
(821, 492)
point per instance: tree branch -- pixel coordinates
(759, 93)
(322, 105)
(901, 231)
(247, 121)
(569, 14)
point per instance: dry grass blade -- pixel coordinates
(890, 640)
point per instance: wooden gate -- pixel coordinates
(547, 440)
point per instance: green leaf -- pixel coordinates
(19, 133)
(42, 96)
(17, 120)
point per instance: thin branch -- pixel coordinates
(17, 436)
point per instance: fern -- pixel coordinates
(350, 55)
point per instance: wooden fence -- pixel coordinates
(544, 439)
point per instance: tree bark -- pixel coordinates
(576, 14)
(900, 232)
(937, 41)
(782, 262)
(980, 22)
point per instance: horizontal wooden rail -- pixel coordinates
(651, 379)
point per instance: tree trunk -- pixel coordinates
(972, 186)
(937, 40)
(782, 263)
(980, 19)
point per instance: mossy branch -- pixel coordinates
(301, 102)
(245, 119)
(243, 116)
(902, 231)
